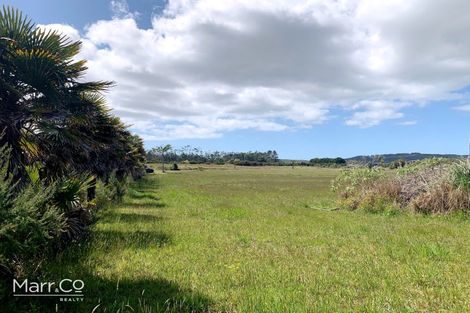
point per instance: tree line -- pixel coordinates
(190, 155)
(328, 162)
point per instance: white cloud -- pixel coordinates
(465, 108)
(207, 67)
(65, 29)
(197, 128)
(372, 113)
(408, 123)
(120, 9)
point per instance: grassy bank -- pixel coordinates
(260, 240)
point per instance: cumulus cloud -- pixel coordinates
(207, 67)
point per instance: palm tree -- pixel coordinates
(162, 150)
(44, 107)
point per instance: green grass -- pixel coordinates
(261, 240)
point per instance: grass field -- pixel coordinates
(262, 240)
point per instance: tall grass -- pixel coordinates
(461, 174)
(428, 186)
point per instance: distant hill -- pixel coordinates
(415, 156)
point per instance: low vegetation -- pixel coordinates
(265, 239)
(427, 186)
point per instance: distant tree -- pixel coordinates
(398, 163)
(378, 160)
(162, 150)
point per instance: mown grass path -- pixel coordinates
(251, 240)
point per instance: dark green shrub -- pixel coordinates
(111, 192)
(29, 224)
(118, 187)
(70, 197)
(104, 195)
(37, 220)
(70, 192)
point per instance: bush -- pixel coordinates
(461, 174)
(428, 186)
(104, 195)
(421, 177)
(375, 195)
(397, 164)
(425, 164)
(112, 192)
(117, 187)
(174, 167)
(369, 189)
(70, 196)
(38, 220)
(29, 224)
(350, 181)
(448, 191)
(376, 203)
(442, 198)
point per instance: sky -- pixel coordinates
(305, 78)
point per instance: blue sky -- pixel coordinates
(303, 78)
(80, 13)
